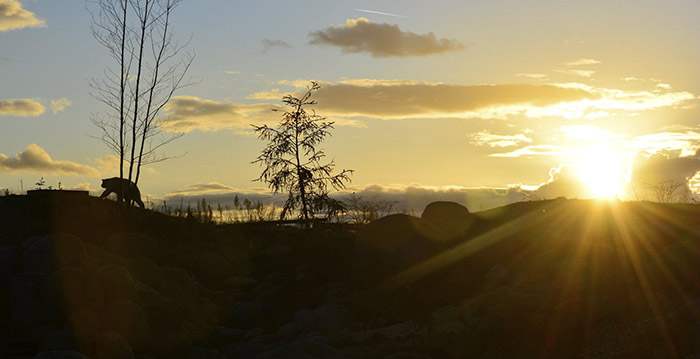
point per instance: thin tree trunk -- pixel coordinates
(141, 45)
(122, 91)
(154, 83)
(300, 174)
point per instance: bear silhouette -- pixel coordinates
(125, 190)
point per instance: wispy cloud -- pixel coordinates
(485, 138)
(535, 76)
(574, 72)
(534, 150)
(269, 44)
(14, 17)
(383, 13)
(201, 187)
(382, 40)
(60, 105)
(582, 61)
(25, 107)
(35, 159)
(188, 113)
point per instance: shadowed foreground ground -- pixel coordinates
(559, 279)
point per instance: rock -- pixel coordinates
(180, 285)
(407, 355)
(301, 349)
(239, 284)
(288, 331)
(146, 271)
(129, 320)
(330, 318)
(212, 267)
(63, 339)
(358, 352)
(111, 345)
(243, 350)
(246, 315)
(38, 255)
(203, 353)
(393, 243)
(226, 336)
(116, 283)
(253, 333)
(10, 261)
(28, 309)
(452, 218)
(85, 324)
(169, 341)
(442, 211)
(61, 354)
(49, 253)
(129, 245)
(72, 289)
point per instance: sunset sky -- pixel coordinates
(474, 101)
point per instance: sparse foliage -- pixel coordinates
(293, 163)
(41, 183)
(148, 69)
(362, 210)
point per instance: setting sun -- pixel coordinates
(603, 171)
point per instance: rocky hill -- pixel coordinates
(81, 277)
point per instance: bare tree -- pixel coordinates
(149, 67)
(664, 191)
(292, 162)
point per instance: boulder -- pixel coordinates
(212, 267)
(442, 211)
(71, 289)
(85, 324)
(180, 285)
(63, 339)
(243, 350)
(128, 245)
(301, 349)
(246, 315)
(61, 354)
(330, 318)
(116, 283)
(358, 352)
(112, 345)
(46, 254)
(129, 320)
(451, 217)
(407, 355)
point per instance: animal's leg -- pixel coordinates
(106, 193)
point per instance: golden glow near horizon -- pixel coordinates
(571, 113)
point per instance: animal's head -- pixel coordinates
(103, 184)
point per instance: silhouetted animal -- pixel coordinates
(117, 185)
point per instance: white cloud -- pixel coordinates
(573, 72)
(485, 138)
(14, 17)
(534, 150)
(35, 159)
(382, 40)
(25, 107)
(582, 61)
(60, 105)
